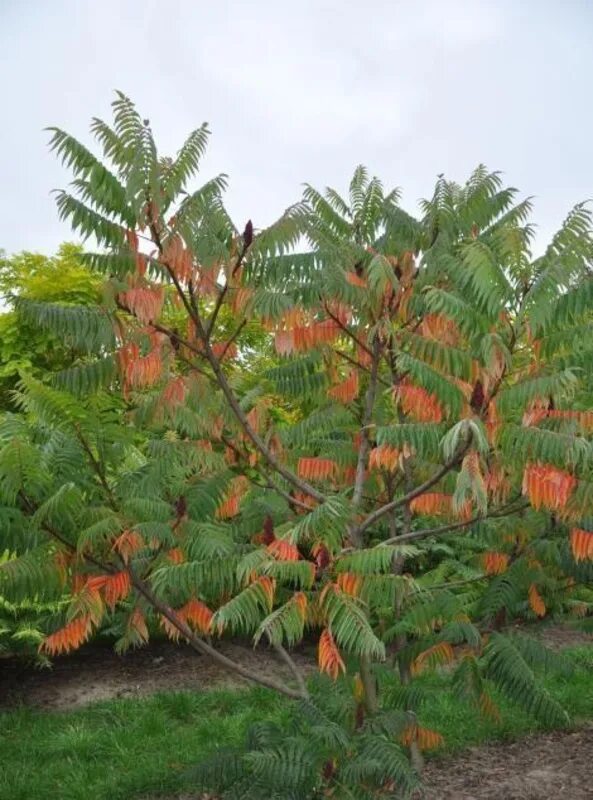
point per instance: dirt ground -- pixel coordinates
(541, 767)
(97, 673)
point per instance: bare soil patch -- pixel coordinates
(97, 673)
(555, 636)
(546, 766)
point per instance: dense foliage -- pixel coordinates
(355, 424)
(24, 347)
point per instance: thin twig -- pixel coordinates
(420, 489)
(285, 656)
(426, 532)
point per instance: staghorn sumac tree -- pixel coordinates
(356, 423)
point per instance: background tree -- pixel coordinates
(409, 472)
(27, 349)
(24, 347)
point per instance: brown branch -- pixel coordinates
(285, 656)
(97, 467)
(270, 484)
(200, 646)
(368, 679)
(347, 330)
(420, 489)
(426, 532)
(51, 531)
(358, 365)
(175, 339)
(220, 299)
(258, 442)
(449, 584)
(365, 444)
(233, 337)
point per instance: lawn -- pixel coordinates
(132, 748)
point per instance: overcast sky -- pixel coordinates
(303, 91)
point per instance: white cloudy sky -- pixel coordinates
(303, 91)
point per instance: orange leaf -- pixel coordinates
(495, 563)
(384, 457)
(208, 283)
(418, 403)
(138, 623)
(440, 653)
(329, 658)
(116, 588)
(300, 336)
(283, 550)
(301, 602)
(346, 391)
(174, 392)
(224, 350)
(363, 356)
(349, 583)
(581, 543)
(132, 239)
(170, 629)
(498, 484)
(176, 555)
(89, 601)
(197, 615)
(230, 506)
(178, 258)
(547, 486)
(68, 638)
(584, 418)
(127, 544)
(424, 738)
(139, 371)
(433, 503)
(144, 302)
(439, 328)
(488, 707)
(536, 603)
(241, 298)
(269, 586)
(63, 560)
(316, 468)
(539, 410)
(535, 412)
(354, 280)
(492, 422)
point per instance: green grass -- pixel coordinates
(462, 727)
(125, 749)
